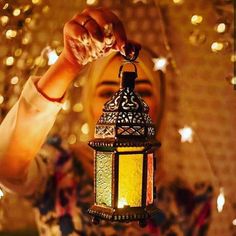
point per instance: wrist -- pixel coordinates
(69, 64)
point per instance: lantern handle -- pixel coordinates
(125, 63)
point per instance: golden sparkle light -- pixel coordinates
(85, 128)
(91, 2)
(4, 20)
(196, 19)
(233, 80)
(217, 46)
(14, 80)
(186, 134)
(78, 107)
(11, 33)
(52, 57)
(178, 1)
(16, 12)
(234, 222)
(160, 64)
(1, 194)
(10, 61)
(221, 27)
(220, 200)
(1, 99)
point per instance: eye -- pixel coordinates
(106, 93)
(145, 93)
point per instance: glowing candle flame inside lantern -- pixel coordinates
(122, 202)
(220, 200)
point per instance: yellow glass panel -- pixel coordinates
(129, 149)
(130, 180)
(103, 178)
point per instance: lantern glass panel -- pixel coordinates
(103, 178)
(130, 180)
(150, 169)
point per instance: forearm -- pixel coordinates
(56, 80)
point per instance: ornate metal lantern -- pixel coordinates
(124, 157)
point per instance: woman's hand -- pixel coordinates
(92, 34)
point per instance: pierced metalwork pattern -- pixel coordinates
(147, 118)
(144, 104)
(104, 131)
(127, 130)
(130, 100)
(108, 118)
(113, 104)
(151, 131)
(103, 178)
(130, 117)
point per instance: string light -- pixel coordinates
(36, 2)
(186, 134)
(217, 46)
(233, 58)
(196, 19)
(220, 200)
(5, 6)
(142, 1)
(160, 63)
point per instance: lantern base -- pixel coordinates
(125, 214)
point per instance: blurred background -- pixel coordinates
(194, 41)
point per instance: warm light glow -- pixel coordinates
(150, 172)
(234, 222)
(91, 2)
(1, 99)
(85, 128)
(9, 61)
(4, 20)
(14, 80)
(233, 58)
(72, 139)
(217, 46)
(220, 200)
(52, 57)
(178, 1)
(11, 33)
(186, 134)
(129, 149)
(130, 179)
(233, 80)
(142, 1)
(78, 107)
(36, 2)
(160, 63)
(103, 178)
(66, 105)
(16, 12)
(1, 194)
(220, 28)
(196, 19)
(122, 202)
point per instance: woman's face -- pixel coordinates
(109, 84)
